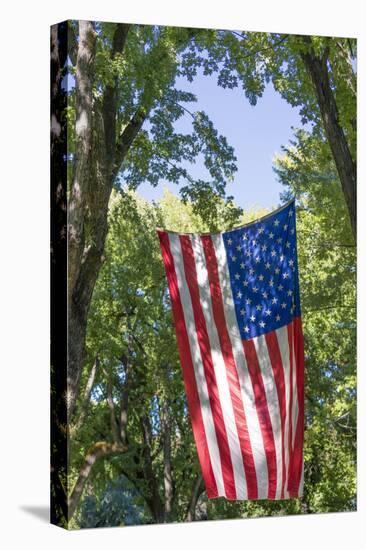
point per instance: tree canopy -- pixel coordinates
(138, 394)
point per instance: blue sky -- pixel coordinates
(256, 133)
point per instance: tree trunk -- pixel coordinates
(77, 208)
(197, 489)
(123, 415)
(168, 479)
(87, 394)
(153, 497)
(59, 39)
(113, 419)
(346, 167)
(94, 172)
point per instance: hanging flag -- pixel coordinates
(236, 307)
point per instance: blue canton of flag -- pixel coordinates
(262, 263)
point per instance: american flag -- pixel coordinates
(236, 307)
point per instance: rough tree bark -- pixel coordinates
(77, 207)
(317, 67)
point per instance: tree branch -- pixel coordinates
(72, 46)
(260, 50)
(123, 417)
(114, 424)
(96, 452)
(87, 394)
(127, 137)
(145, 104)
(197, 490)
(109, 104)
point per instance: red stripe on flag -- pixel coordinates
(231, 372)
(188, 370)
(299, 435)
(290, 332)
(204, 344)
(263, 414)
(277, 367)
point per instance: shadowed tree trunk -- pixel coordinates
(58, 277)
(77, 208)
(346, 167)
(153, 498)
(87, 394)
(168, 479)
(197, 490)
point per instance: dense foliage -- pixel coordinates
(130, 327)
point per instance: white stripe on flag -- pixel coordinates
(301, 486)
(269, 383)
(220, 369)
(246, 388)
(282, 338)
(176, 251)
(295, 401)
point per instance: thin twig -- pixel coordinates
(251, 54)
